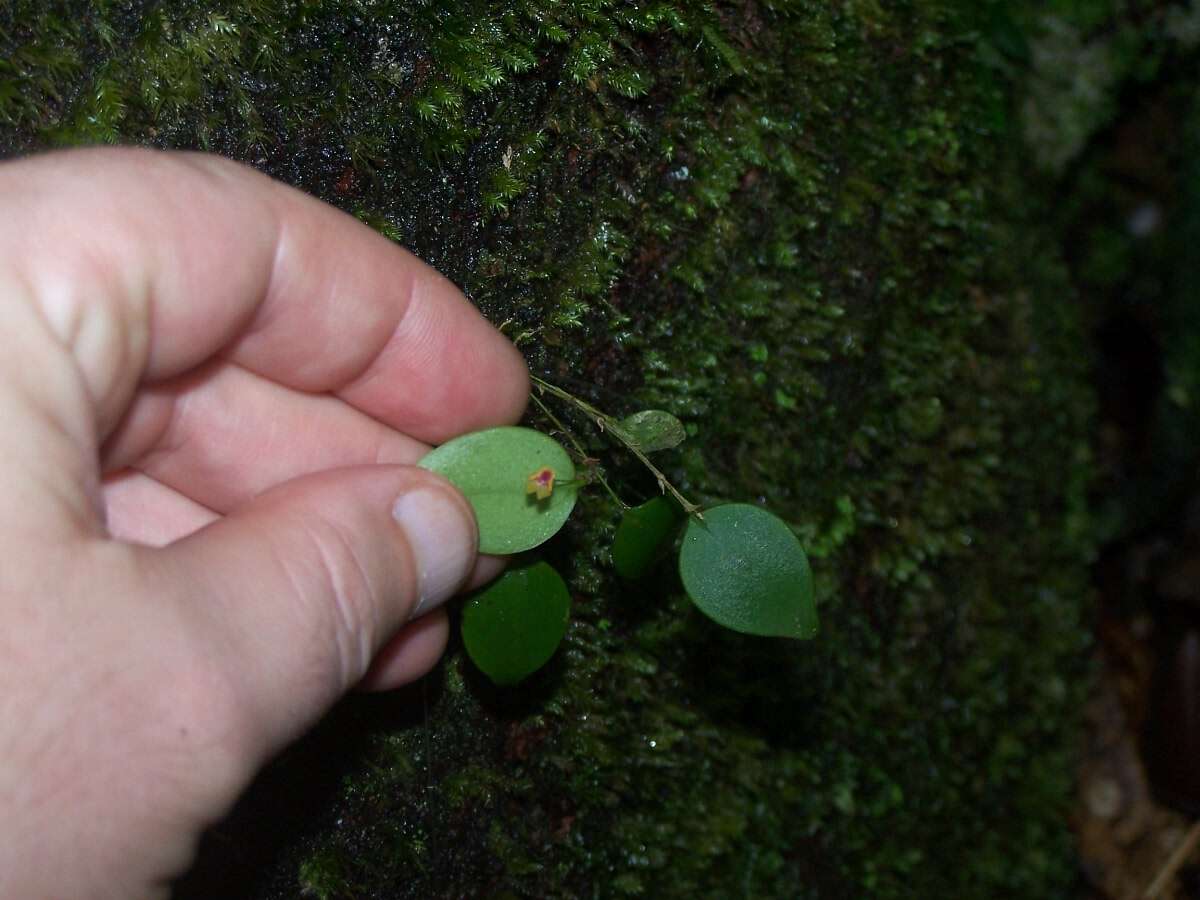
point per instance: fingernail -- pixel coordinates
(442, 539)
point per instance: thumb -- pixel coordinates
(296, 591)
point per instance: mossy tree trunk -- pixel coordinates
(802, 227)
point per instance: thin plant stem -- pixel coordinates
(562, 429)
(1174, 862)
(579, 448)
(607, 423)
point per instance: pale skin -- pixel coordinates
(213, 389)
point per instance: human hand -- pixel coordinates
(212, 391)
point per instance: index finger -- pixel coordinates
(148, 263)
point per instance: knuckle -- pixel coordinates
(346, 620)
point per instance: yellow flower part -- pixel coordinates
(540, 483)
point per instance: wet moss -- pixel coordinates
(803, 228)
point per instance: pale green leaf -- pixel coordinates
(654, 429)
(492, 468)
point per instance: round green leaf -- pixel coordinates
(512, 627)
(641, 536)
(492, 468)
(745, 569)
(654, 429)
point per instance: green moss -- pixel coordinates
(800, 227)
(1084, 54)
(322, 876)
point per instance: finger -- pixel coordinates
(304, 585)
(145, 264)
(221, 435)
(419, 645)
(143, 511)
(410, 654)
(486, 569)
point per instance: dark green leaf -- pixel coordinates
(654, 429)
(642, 535)
(512, 627)
(492, 469)
(745, 569)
